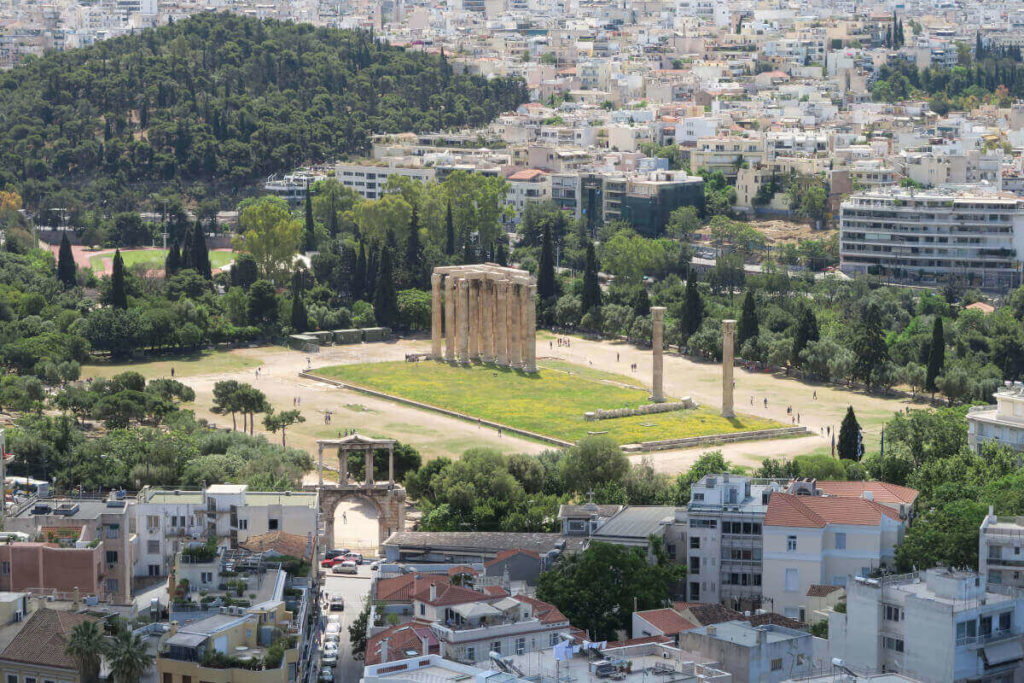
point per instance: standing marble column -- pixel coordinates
(501, 323)
(515, 327)
(449, 318)
(342, 466)
(435, 315)
(487, 320)
(462, 313)
(369, 467)
(474, 319)
(728, 351)
(658, 343)
(320, 462)
(391, 465)
(530, 329)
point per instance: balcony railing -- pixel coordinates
(976, 641)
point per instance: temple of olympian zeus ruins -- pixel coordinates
(485, 313)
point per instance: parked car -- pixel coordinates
(355, 557)
(375, 566)
(329, 658)
(337, 603)
(331, 647)
(333, 553)
(327, 564)
(326, 675)
(333, 628)
(332, 638)
(333, 618)
(346, 567)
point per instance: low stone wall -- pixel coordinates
(696, 441)
(646, 409)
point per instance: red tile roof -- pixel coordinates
(43, 638)
(447, 594)
(544, 611)
(822, 590)
(402, 588)
(704, 613)
(526, 174)
(462, 569)
(883, 492)
(400, 639)
(495, 591)
(505, 554)
(666, 620)
(818, 511)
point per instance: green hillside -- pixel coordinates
(215, 103)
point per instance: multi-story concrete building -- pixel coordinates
(811, 540)
(165, 520)
(1001, 550)
(931, 236)
(753, 654)
(650, 199)
(1003, 424)
(369, 179)
(938, 626)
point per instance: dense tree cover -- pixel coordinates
(599, 589)
(211, 103)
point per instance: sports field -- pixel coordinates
(152, 258)
(551, 402)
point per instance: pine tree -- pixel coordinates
(359, 275)
(546, 269)
(591, 285)
(748, 327)
(449, 232)
(172, 264)
(693, 308)
(806, 332)
(936, 356)
(300, 319)
(65, 263)
(118, 292)
(385, 298)
(414, 253)
(309, 231)
(200, 254)
(849, 437)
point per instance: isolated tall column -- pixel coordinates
(530, 329)
(435, 315)
(658, 344)
(449, 318)
(728, 351)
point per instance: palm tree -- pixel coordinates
(85, 644)
(128, 656)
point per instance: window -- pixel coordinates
(471, 653)
(206, 577)
(153, 547)
(703, 523)
(694, 591)
(792, 581)
(5, 568)
(520, 646)
(893, 613)
(152, 521)
(698, 496)
(272, 524)
(671, 547)
(840, 541)
(986, 625)
(695, 542)
(553, 639)
(168, 678)
(496, 646)
(894, 644)
(112, 585)
(113, 530)
(11, 678)
(423, 609)
(30, 679)
(694, 565)
(243, 524)
(791, 544)
(1005, 621)
(111, 557)
(777, 664)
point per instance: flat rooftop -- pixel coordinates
(175, 497)
(648, 664)
(88, 508)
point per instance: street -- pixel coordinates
(355, 591)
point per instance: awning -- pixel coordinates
(505, 604)
(476, 610)
(1001, 653)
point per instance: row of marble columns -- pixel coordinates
(368, 454)
(484, 319)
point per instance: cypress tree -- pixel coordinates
(468, 253)
(806, 332)
(546, 270)
(936, 356)
(413, 253)
(200, 253)
(359, 274)
(449, 232)
(642, 302)
(172, 264)
(332, 220)
(849, 437)
(185, 254)
(385, 298)
(748, 327)
(500, 255)
(309, 234)
(118, 293)
(693, 308)
(300, 319)
(372, 267)
(65, 263)
(591, 286)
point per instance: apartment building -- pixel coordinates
(38, 651)
(527, 186)
(811, 540)
(651, 198)
(939, 626)
(1003, 424)
(1001, 550)
(726, 154)
(165, 519)
(369, 179)
(930, 236)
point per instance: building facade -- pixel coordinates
(1003, 424)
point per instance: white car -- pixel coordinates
(326, 675)
(333, 628)
(331, 647)
(333, 618)
(329, 658)
(332, 638)
(346, 567)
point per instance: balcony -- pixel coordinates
(469, 632)
(986, 638)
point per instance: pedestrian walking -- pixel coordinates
(815, 395)
(765, 402)
(172, 371)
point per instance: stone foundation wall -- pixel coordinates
(646, 409)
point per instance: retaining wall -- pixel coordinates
(694, 441)
(646, 409)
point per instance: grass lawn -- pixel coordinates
(154, 258)
(185, 365)
(552, 402)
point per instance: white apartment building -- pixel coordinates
(1001, 550)
(938, 626)
(813, 540)
(526, 186)
(929, 236)
(369, 179)
(726, 154)
(1003, 423)
(165, 520)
